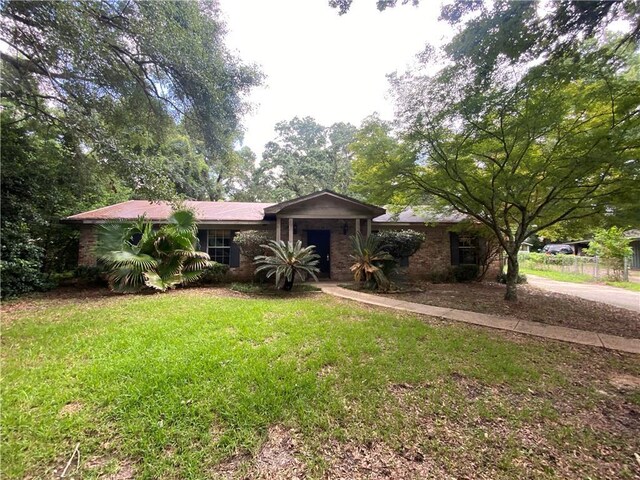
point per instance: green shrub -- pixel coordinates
(251, 242)
(214, 273)
(465, 273)
(613, 247)
(21, 264)
(502, 278)
(400, 243)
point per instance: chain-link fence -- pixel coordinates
(596, 267)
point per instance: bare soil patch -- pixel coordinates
(70, 409)
(625, 383)
(96, 296)
(533, 304)
(276, 459)
(378, 461)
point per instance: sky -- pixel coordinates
(320, 64)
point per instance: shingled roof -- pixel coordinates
(160, 211)
(244, 212)
(410, 216)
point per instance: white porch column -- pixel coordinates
(291, 230)
(357, 225)
(278, 232)
(368, 227)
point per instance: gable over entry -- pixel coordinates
(322, 205)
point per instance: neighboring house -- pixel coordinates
(324, 219)
(634, 236)
(526, 247)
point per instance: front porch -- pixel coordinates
(326, 220)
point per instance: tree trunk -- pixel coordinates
(513, 270)
(288, 285)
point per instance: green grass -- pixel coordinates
(560, 276)
(633, 286)
(270, 289)
(578, 278)
(176, 383)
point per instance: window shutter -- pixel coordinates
(202, 241)
(234, 254)
(455, 250)
(482, 249)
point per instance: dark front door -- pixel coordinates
(322, 241)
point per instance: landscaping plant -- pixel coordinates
(370, 256)
(613, 247)
(288, 261)
(401, 243)
(251, 242)
(161, 259)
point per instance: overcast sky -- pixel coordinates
(323, 65)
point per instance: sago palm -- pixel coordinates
(369, 255)
(161, 259)
(288, 261)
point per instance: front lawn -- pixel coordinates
(207, 383)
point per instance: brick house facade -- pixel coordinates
(325, 219)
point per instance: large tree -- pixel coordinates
(306, 157)
(79, 65)
(106, 101)
(518, 31)
(531, 150)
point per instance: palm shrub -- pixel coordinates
(161, 259)
(370, 256)
(288, 261)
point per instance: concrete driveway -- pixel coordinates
(618, 297)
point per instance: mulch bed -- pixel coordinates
(533, 304)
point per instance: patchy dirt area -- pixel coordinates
(533, 304)
(460, 428)
(96, 296)
(276, 460)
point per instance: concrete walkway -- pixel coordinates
(615, 296)
(565, 334)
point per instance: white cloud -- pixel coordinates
(320, 64)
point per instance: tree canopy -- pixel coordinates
(306, 157)
(100, 69)
(107, 101)
(519, 156)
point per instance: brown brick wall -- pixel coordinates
(434, 256)
(88, 239)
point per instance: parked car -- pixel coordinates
(552, 249)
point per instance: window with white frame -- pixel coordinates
(219, 246)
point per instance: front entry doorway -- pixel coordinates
(322, 241)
